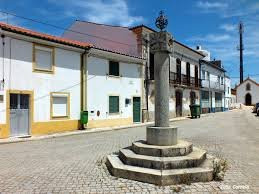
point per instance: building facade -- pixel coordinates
(47, 81)
(114, 89)
(40, 83)
(184, 76)
(114, 74)
(227, 104)
(213, 86)
(233, 100)
(247, 93)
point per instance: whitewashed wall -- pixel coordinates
(19, 75)
(241, 92)
(227, 92)
(100, 86)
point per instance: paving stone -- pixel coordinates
(75, 164)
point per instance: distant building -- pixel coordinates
(248, 92)
(227, 93)
(233, 100)
(213, 86)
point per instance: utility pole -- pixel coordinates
(241, 49)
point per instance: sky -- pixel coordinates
(213, 24)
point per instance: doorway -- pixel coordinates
(248, 99)
(19, 114)
(196, 76)
(178, 71)
(136, 109)
(178, 103)
(192, 97)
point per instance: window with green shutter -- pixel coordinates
(114, 104)
(114, 68)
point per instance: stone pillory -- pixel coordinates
(162, 159)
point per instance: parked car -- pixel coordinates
(256, 106)
(258, 112)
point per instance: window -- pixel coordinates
(60, 105)
(208, 75)
(114, 106)
(43, 58)
(178, 71)
(188, 72)
(248, 87)
(222, 80)
(114, 69)
(192, 97)
(203, 75)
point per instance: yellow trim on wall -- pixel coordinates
(31, 108)
(67, 116)
(34, 66)
(110, 122)
(4, 132)
(42, 128)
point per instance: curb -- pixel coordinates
(80, 132)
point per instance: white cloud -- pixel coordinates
(6, 18)
(211, 38)
(228, 27)
(211, 5)
(224, 46)
(116, 12)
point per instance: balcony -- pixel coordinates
(212, 85)
(184, 80)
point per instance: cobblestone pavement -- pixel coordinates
(75, 164)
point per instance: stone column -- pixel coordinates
(161, 134)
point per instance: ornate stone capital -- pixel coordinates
(161, 42)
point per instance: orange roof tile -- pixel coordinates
(27, 32)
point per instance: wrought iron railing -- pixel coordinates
(212, 85)
(182, 79)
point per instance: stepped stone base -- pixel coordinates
(162, 165)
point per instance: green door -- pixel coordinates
(136, 109)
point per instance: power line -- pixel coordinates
(62, 28)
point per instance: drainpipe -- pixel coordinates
(83, 81)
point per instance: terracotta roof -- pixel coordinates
(43, 36)
(116, 39)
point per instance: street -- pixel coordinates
(76, 163)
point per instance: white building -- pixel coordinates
(46, 82)
(248, 92)
(40, 82)
(114, 89)
(213, 86)
(114, 77)
(184, 76)
(227, 104)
